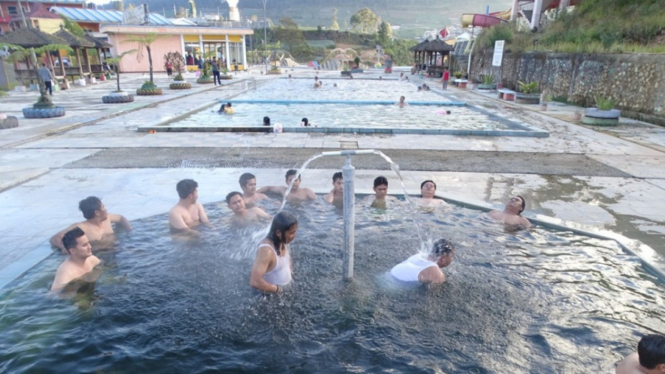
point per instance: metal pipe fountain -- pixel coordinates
(348, 173)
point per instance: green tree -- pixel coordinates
(335, 25)
(365, 21)
(72, 26)
(115, 61)
(385, 33)
(289, 35)
(144, 42)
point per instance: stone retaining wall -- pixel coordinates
(635, 81)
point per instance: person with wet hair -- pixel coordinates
(402, 102)
(426, 268)
(305, 122)
(511, 214)
(98, 224)
(336, 195)
(236, 203)
(266, 121)
(649, 358)
(273, 265)
(428, 195)
(188, 212)
(80, 263)
(248, 184)
(229, 108)
(381, 196)
(297, 193)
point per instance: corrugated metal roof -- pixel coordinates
(103, 16)
(52, 1)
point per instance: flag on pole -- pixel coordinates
(444, 32)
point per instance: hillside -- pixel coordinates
(412, 16)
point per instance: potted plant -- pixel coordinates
(345, 69)
(7, 122)
(603, 114)
(275, 70)
(488, 83)
(145, 42)
(528, 93)
(118, 96)
(102, 77)
(206, 74)
(177, 61)
(357, 69)
(44, 107)
(225, 74)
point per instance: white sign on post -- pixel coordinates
(498, 52)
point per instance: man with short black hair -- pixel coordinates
(381, 196)
(248, 184)
(188, 212)
(426, 269)
(511, 214)
(649, 358)
(297, 193)
(236, 203)
(98, 226)
(80, 263)
(46, 75)
(336, 195)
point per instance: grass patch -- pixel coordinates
(321, 43)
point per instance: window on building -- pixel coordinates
(12, 10)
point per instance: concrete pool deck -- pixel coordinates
(43, 174)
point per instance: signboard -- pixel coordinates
(136, 16)
(498, 52)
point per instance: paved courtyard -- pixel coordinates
(603, 178)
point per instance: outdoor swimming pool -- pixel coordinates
(527, 302)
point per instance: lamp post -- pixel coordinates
(265, 35)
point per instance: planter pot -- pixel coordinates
(80, 82)
(180, 85)
(346, 73)
(92, 80)
(8, 122)
(148, 91)
(275, 72)
(102, 78)
(577, 116)
(462, 84)
(57, 111)
(357, 71)
(484, 86)
(225, 77)
(117, 98)
(205, 80)
(522, 98)
(597, 117)
(543, 107)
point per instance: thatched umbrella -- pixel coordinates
(432, 50)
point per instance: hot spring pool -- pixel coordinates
(527, 302)
(340, 115)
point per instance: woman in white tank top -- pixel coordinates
(426, 268)
(272, 266)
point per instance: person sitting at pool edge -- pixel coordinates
(237, 204)
(273, 266)
(229, 108)
(296, 194)
(188, 212)
(427, 194)
(81, 261)
(97, 225)
(511, 214)
(305, 122)
(649, 358)
(266, 121)
(381, 196)
(336, 195)
(402, 102)
(426, 269)
(248, 184)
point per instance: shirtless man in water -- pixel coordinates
(511, 213)
(336, 195)
(649, 358)
(97, 226)
(248, 185)
(427, 195)
(381, 196)
(187, 213)
(80, 263)
(237, 204)
(296, 194)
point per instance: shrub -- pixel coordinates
(528, 88)
(488, 79)
(604, 103)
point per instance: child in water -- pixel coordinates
(229, 109)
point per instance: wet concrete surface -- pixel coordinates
(416, 160)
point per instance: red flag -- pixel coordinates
(443, 32)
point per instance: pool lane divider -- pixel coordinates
(346, 102)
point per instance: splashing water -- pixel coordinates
(302, 168)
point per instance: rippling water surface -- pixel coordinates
(526, 302)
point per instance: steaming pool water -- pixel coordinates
(538, 301)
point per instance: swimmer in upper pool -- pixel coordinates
(402, 102)
(427, 195)
(237, 204)
(426, 268)
(80, 263)
(273, 266)
(188, 212)
(511, 214)
(420, 88)
(266, 121)
(290, 77)
(336, 195)
(334, 84)
(229, 109)
(305, 122)
(381, 196)
(649, 358)
(248, 184)
(297, 193)
(97, 225)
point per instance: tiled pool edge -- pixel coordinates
(648, 257)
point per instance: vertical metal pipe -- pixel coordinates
(514, 10)
(348, 172)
